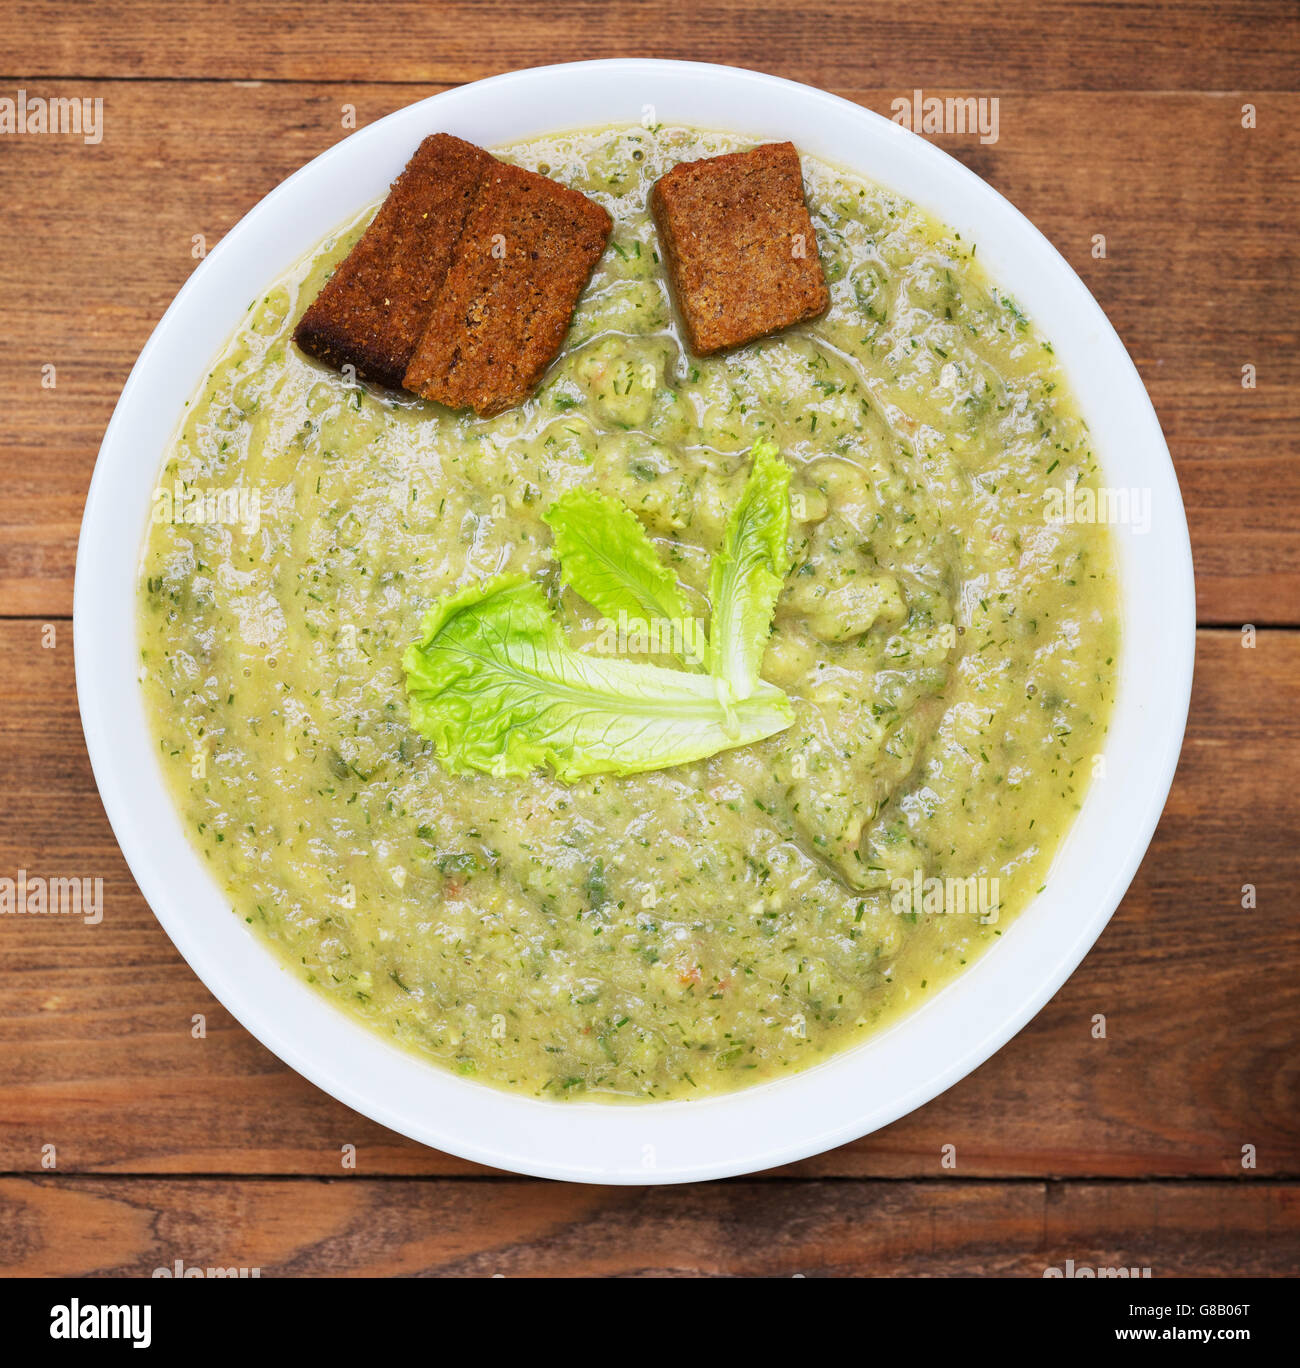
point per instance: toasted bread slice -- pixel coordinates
(373, 310)
(739, 246)
(527, 251)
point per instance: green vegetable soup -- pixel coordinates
(675, 729)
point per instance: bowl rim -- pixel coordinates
(855, 1091)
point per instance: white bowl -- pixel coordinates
(864, 1087)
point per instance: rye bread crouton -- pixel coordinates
(527, 252)
(373, 310)
(739, 246)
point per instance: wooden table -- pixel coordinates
(128, 1143)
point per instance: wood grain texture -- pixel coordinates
(1031, 45)
(1200, 997)
(740, 1229)
(1199, 240)
(1117, 117)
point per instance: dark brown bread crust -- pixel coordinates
(739, 246)
(527, 252)
(373, 310)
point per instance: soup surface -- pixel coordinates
(949, 647)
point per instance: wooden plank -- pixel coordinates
(1200, 997)
(1033, 45)
(520, 1229)
(1196, 216)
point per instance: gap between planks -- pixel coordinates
(423, 82)
(770, 1179)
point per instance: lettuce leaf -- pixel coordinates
(497, 689)
(606, 557)
(748, 570)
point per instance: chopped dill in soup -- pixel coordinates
(812, 850)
